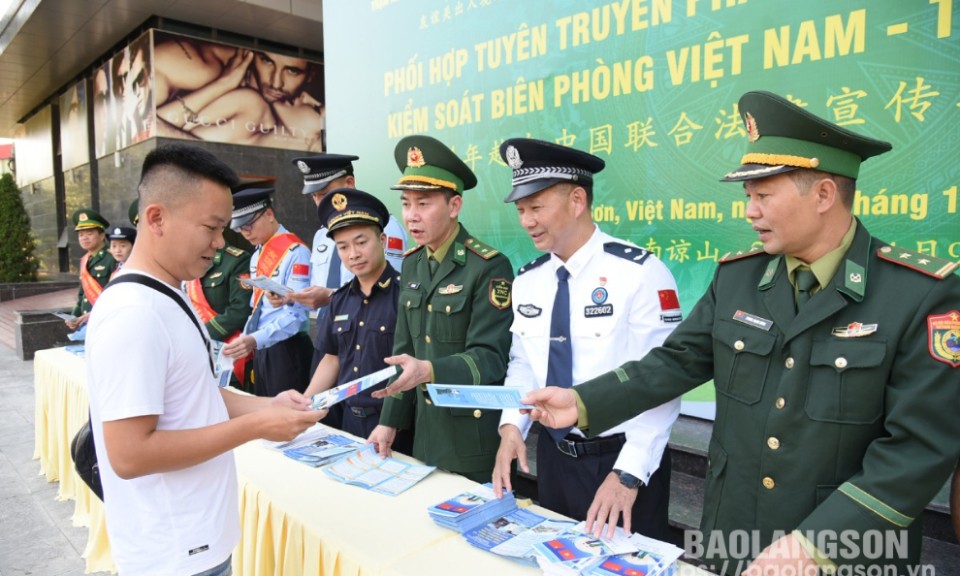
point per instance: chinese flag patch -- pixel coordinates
(394, 243)
(301, 269)
(668, 300)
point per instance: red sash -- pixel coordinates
(207, 313)
(91, 288)
(271, 255)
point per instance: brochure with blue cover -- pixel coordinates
(469, 396)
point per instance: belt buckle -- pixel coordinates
(568, 447)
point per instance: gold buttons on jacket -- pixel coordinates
(358, 346)
(781, 403)
(428, 402)
(738, 345)
(383, 328)
(448, 310)
(429, 307)
(427, 339)
(361, 322)
(840, 362)
(365, 301)
(768, 483)
(356, 369)
(477, 413)
(773, 443)
(789, 363)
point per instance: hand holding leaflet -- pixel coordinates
(267, 284)
(469, 396)
(336, 395)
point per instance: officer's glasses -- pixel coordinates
(249, 225)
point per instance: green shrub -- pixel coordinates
(17, 261)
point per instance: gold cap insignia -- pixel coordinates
(83, 217)
(415, 158)
(339, 202)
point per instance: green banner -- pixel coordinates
(651, 86)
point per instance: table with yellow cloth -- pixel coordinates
(295, 520)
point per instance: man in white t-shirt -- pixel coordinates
(163, 428)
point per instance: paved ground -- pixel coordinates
(36, 535)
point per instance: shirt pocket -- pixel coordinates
(411, 302)
(595, 337)
(343, 331)
(847, 382)
(449, 317)
(741, 360)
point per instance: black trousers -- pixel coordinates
(567, 485)
(283, 366)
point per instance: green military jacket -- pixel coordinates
(460, 321)
(101, 265)
(842, 417)
(223, 291)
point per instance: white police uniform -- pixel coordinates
(623, 302)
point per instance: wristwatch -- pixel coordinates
(627, 479)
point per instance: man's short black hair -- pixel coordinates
(191, 159)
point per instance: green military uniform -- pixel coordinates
(458, 318)
(101, 264)
(224, 292)
(841, 416)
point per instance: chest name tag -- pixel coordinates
(751, 320)
(599, 310)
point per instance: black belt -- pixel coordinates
(363, 412)
(575, 446)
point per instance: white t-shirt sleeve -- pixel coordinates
(129, 362)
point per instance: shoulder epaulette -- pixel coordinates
(481, 249)
(923, 263)
(412, 250)
(626, 251)
(531, 265)
(740, 254)
(234, 251)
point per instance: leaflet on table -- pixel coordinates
(78, 335)
(653, 558)
(515, 534)
(336, 395)
(574, 545)
(64, 316)
(265, 283)
(308, 436)
(468, 396)
(366, 469)
(323, 450)
(471, 509)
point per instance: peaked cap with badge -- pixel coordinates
(537, 165)
(427, 164)
(319, 171)
(88, 219)
(783, 137)
(122, 233)
(249, 202)
(344, 207)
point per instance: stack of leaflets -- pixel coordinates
(576, 553)
(516, 534)
(366, 469)
(318, 446)
(468, 510)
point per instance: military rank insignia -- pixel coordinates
(943, 333)
(500, 293)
